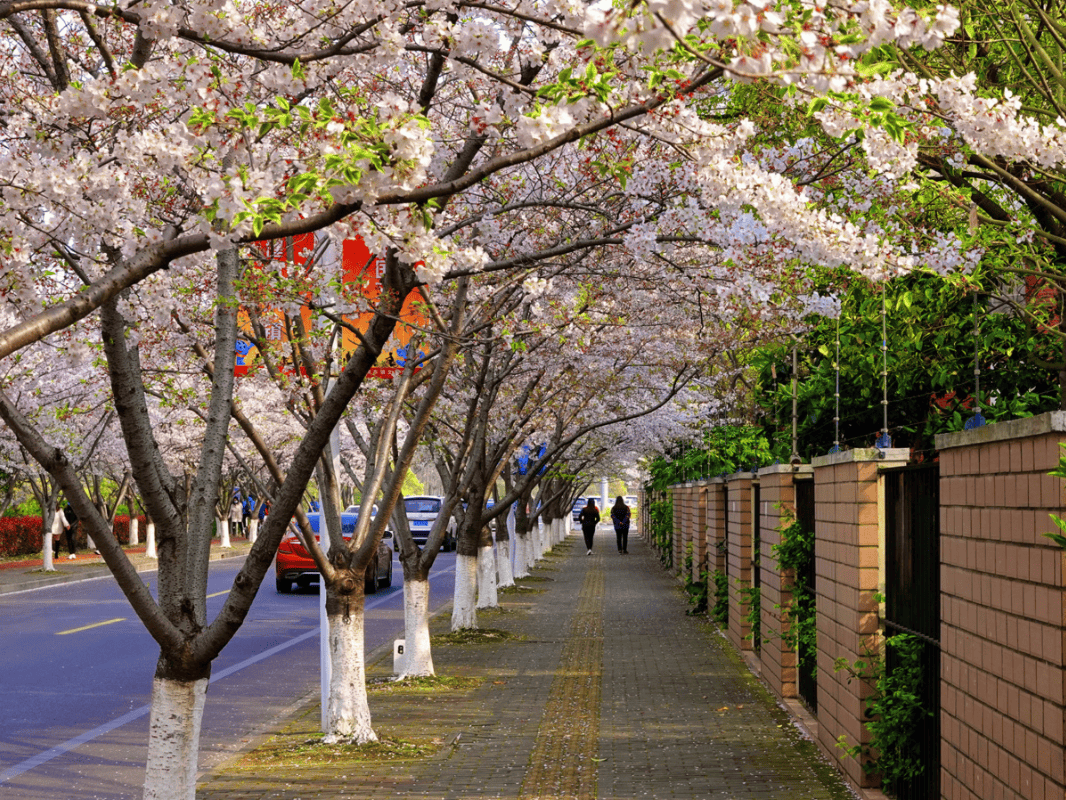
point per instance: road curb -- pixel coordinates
(30, 581)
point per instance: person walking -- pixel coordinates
(589, 519)
(620, 517)
(59, 526)
(236, 515)
(71, 517)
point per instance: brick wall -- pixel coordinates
(847, 554)
(1002, 612)
(738, 535)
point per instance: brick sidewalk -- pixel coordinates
(610, 691)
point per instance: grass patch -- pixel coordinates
(416, 686)
(299, 746)
(310, 753)
(533, 579)
(519, 589)
(475, 636)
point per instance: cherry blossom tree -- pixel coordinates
(147, 144)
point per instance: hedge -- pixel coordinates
(20, 536)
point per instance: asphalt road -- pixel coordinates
(76, 672)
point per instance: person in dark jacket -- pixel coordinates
(589, 519)
(620, 518)
(70, 531)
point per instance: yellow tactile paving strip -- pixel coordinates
(562, 764)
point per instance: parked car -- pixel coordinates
(631, 501)
(294, 564)
(422, 511)
(578, 505)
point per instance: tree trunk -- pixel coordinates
(253, 529)
(149, 539)
(521, 557)
(48, 522)
(537, 537)
(541, 537)
(46, 553)
(223, 532)
(486, 579)
(348, 713)
(464, 614)
(174, 738)
(419, 653)
(135, 531)
(505, 533)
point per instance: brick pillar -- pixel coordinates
(716, 507)
(699, 540)
(680, 498)
(1003, 618)
(778, 498)
(847, 554)
(738, 535)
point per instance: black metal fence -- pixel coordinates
(807, 671)
(725, 539)
(912, 601)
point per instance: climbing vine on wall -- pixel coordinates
(752, 595)
(662, 529)
(720, 612)
(894, 710)
(695, 589)
(799, 620)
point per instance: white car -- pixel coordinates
(422, 512)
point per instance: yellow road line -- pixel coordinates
(216, 594)
(94, 625)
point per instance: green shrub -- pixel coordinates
(752, 595)
(720, 612)
(799, 616)
(662, 530)
(894, 711)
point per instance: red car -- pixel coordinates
(293, 564)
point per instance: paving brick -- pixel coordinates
(609, 691)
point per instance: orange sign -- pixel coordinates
(362, 273)
(295, 250)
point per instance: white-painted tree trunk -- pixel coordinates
(253, 530)
(46, 554)
(174, 739)
(135, 531)
(223, 532)
(541, 536)
(149, 540)
(418, 651)
(503, 563)
(521, 559)
(486, 579)
(531, 554)
(464, 614)
(348, 715)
